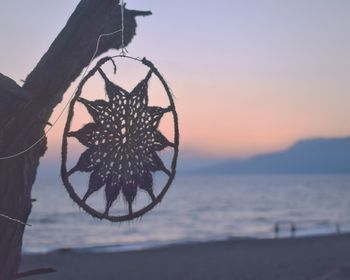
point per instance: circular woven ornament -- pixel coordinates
(122, 142)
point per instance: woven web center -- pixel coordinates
(122, 143)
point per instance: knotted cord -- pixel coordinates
(14, 220)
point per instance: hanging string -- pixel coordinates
(123, 52)
(14, 220)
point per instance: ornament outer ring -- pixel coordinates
(64, 173)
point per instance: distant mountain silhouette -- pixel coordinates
(314, 156)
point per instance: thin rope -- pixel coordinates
(14, 220)
(123, 51)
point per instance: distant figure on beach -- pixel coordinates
(276, 230)
(293, 229)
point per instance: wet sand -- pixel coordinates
(309, 258)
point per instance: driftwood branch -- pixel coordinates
(12, 96)
(25, 111)
(135, 13)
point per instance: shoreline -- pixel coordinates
(281, 259)
(132, 247)
(148, 245)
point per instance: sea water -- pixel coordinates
(197, 208)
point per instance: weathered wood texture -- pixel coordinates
(24, 111)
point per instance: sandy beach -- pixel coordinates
(309, 258)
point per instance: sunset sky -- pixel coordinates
(249, 76)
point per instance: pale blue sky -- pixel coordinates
(266, 73)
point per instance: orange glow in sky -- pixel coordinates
(249, 76)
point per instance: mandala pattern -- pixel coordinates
(122, 143)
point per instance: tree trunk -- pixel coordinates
(25, 111)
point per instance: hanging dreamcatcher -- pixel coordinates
(122, 144)
(122, 141)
